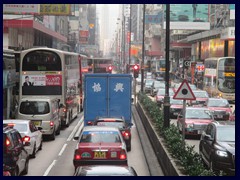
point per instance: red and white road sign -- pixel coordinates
(184, 92)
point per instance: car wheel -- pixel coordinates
(40, 147)
(25, 171)
(129, 147)
(33, 155)
(58, 130)
(52, 136)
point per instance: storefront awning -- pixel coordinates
(35, 25)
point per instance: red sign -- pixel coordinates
(53, 80)
(83, 33)
(200, 67)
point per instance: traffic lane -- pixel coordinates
(47, 157)
(136, 157)
(63, 165)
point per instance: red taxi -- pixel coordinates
(176, 107)
(100, 145)
(196, 119)
(220, 108)
(120, 123)
(201, 97)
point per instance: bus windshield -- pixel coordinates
(226, 75)
(41, 61)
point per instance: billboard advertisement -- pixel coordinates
(232, 11)
(189, 16)
(21, 8)
(42, 80)
(55, 9)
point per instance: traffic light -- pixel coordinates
(110, 69)
(135, 70)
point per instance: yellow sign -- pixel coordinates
(91, 26)
(162, 69)
(55, 9)
(228, 74)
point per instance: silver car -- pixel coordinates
(29, 132)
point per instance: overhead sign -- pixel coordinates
(184, 92)
(21, 8)
(55, 9)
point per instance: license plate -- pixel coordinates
(99, 155)
(37, 123)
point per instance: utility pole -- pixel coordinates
(143, 49)
(166, 123)
(130, 29)
(124, 37)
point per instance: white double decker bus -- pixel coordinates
(55, 73)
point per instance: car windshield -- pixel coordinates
(218, 103)
(100, 136)
(226, 130)
(113, 124)
(201, 94)
(159, 84)
(161, 92)
(149, 82)
(198, 114)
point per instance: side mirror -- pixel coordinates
(130, 124)
(76, 138)
(207, 137)
(180, 116)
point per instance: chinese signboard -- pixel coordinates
(153, 19)
(42, 80)
(21, 8)
(55, 9)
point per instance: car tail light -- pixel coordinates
(64, 110)
(125, 134)
(77, 156)
(26, 139)
(51, 123)
(7, 142)
(123, 155)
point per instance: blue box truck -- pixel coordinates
(107, 95)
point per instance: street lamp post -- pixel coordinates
(130, 32)
(166, 123)
(143, 48)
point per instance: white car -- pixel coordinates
(29, 132)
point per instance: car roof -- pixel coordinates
(224, 123)
(100, 128)
(105, 170)
(16, 121)
(194, 108)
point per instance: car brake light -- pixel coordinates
(51, 123)
(77, 156)
(64, 110)
(123, 155)
(26, 139)
(7, 142)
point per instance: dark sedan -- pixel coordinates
(105, 170)
(217, 146)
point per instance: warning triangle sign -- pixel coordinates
(184, 92)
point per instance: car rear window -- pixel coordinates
(19, 127)
(100, 136)
(34, 107)
(113, 124)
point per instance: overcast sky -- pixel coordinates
(113, 15)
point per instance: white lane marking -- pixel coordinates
(74, 130)
(49, 168)
(79, 130)
(63, 148)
